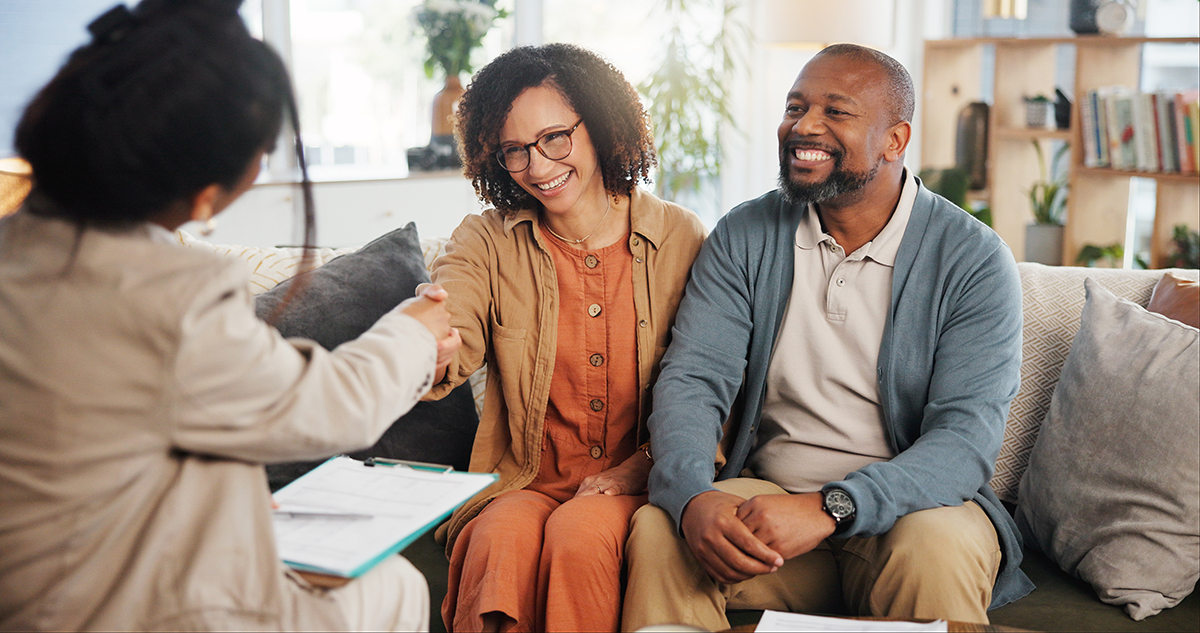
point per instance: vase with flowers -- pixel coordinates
(452, 29)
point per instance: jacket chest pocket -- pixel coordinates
(511, 364)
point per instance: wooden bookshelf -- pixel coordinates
(1097, 208)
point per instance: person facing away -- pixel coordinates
(139, 394)
(865, 335)
(567, 289)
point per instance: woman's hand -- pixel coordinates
(627, 478)
(429, 307)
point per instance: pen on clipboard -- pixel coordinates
(320, 514)
(383, 461)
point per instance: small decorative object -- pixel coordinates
(452, 29)
(1114, 17)
(1047, 200)
(1039, 111)
(441, 153)
(971, 143)
(1110, 17)
(1062, 110)
(1083, 17)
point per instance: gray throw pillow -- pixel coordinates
(343, 299)
(1112, 492)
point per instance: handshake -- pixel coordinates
(429, 307)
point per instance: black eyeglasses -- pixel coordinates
(553, 145)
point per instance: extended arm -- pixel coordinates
(240, 390)
(464, 272)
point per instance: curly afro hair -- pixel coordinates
(599, 94)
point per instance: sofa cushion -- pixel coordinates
(1052, 300)
(342, 299)
(1112, 491)
(1177, 298)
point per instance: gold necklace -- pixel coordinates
(585, 237)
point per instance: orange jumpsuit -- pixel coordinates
(548, 561)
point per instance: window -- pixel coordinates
(357, 66)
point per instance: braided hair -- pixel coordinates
(168, 98)
(595, 90)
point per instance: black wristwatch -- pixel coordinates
(840, 506)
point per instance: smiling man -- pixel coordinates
(862, 337)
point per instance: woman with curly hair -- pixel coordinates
(566, 288)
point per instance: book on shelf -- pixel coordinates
(1145, 145)
(1164, 118)
(1153, 132)
(1187, 163)
(1090, 131)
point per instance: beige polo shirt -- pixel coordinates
(821, 416)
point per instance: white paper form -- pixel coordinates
(792, 622)
(402, 503)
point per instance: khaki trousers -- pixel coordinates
(936, 563)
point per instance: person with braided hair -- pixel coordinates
(139, 394)
(567, 289)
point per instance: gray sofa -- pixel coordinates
(1054, 298)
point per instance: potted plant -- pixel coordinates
(690, 102)
(1112, 255)
(1185, 248)
(452, 29)
(1039, 111)
(1047, 200)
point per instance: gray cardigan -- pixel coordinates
(949, 365)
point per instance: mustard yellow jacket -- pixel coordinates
(504, 301)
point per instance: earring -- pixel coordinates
(210, 225)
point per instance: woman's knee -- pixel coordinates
(586, 523)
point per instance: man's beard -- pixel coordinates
(841, 181)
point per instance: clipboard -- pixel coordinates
(345, 516)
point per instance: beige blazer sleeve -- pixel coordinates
(243, 391)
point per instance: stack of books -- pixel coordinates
(1151, 132)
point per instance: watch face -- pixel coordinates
(1114, 17)
(839, 505)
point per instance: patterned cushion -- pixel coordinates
(1053, 299)
(271, 266)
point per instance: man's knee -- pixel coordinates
(650, 527)
(946, 535)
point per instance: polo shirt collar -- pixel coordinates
(883, 247)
